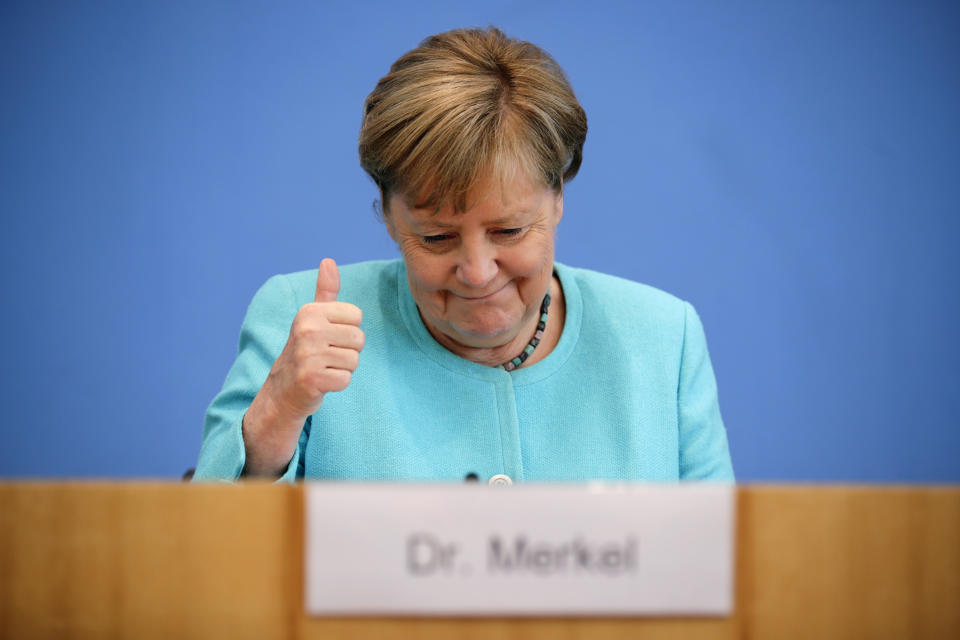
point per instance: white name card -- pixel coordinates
(521, 550)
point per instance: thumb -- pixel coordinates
(328, 281)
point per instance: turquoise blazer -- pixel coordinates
(628, 393)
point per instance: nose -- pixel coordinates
(477, 263)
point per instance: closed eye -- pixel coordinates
(509, 232)
(436, 239)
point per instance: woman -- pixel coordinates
(476, 355)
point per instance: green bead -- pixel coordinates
(529, 348)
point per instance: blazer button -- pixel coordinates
(500, 480)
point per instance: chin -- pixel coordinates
(491, 333)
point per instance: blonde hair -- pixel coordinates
(466, 105)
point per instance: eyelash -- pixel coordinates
(438, 239)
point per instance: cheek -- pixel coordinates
(534, 256)
(428, 272)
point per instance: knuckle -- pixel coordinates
(343, 379)
(306, 314)
(336, 379)
(358, 337)
(304, 350)
(300, 328)
(312, 313)
(310, 330)
(353, 359)
(350, 311)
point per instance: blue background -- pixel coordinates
(789, 167)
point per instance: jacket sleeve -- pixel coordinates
(704, 452)
(262, 337)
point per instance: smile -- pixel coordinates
(480, 298)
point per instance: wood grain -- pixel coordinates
(145, 561)
(206, 561)
(849, 562)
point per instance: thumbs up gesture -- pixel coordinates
(323, 348)
(320, 356)
(328, 281)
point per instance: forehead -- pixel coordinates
(506, 193)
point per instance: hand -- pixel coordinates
(322, 351)
(320, 356)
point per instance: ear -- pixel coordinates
(387, 218)
(558, 206)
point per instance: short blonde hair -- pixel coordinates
(466, 105)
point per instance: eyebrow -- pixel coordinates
(444, 225)
(502, 220)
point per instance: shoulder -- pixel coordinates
(629, 301)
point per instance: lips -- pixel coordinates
(477, 298)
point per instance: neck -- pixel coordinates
(489, 356)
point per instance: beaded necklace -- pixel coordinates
(537, 336)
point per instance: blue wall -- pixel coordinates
(789, 167)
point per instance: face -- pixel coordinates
(479, 276)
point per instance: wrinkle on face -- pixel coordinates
(448, 256)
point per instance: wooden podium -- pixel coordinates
(202, 561)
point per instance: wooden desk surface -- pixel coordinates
(200, 561)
